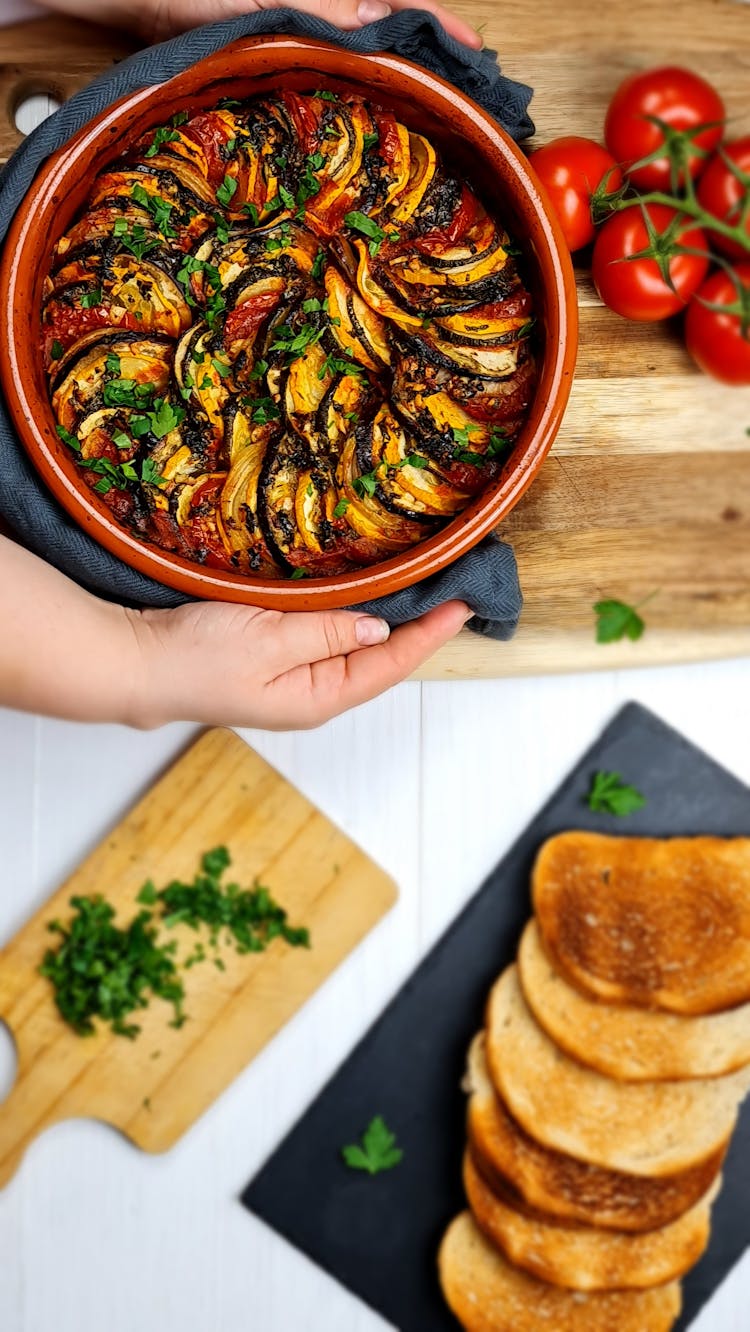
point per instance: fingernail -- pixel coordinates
(469, 615)
(370, 630)
(371, 11)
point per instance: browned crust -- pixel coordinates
(488, 1294)
(585, 1257)
(552, 1183)
(654, 923)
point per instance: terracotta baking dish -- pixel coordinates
(467, 135)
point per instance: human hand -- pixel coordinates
(241, 666)
(157, 19)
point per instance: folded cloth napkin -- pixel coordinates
(487, 578)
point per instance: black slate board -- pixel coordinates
(379, 1235)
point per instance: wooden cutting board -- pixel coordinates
(154, 1087)
(648, 486)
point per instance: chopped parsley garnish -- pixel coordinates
(281, 241)
(222, 229)
(101, 970)
(341, 508)
(227, 191)
(326, 96)
(287, 198)
(369, 141)
(498, 442)
(160, 209)
(113, 364)
(265, 410)
(366, 484)
(248, 918)
(164, 418)
(377, 1150)
(616, 620)
(298, 573)
(252, 213)
(128, 393)
(163, 135)
(135, 239)
(71, 440)
(281, 161)
(122, 441)
(259, 369)
(375, 234)
(610, 795)
(221, 367)
(90, 299)
(318, 264)
(57, 350)
(150, 475)
(179, 118)
(339, 365)
(294, 344)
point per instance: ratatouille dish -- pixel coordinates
(284, 339)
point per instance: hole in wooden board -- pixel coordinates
(8, 1062)
(33, 109)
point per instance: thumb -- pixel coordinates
(301, 638)
(347, 14)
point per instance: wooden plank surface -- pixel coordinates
(646, 488)
(153, 1088)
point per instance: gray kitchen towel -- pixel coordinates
(487, 577)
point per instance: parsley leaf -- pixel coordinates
(58, 350)
(160, 209)
(341, 508)
(318, 264)
(364, 224)
(90, 299)
(227, 191)
(377, 1151)
(100, 970)
(369, 141)
(162, 135)
(610, 795)
(67, 438)
(616, 620)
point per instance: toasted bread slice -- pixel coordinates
(488, 1294)
(582, 1257)
(548, 1181)
(658, 924)
(625, 1042)
(649, 1128)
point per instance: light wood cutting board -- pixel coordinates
(648, 486)
(154, 1087)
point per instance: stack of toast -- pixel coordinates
(604, 1089)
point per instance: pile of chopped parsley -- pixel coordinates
(106, 971)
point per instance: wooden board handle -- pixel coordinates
(38, 1087)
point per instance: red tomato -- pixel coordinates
(245, 319)
(720, 192)
(714, 338)
(389, 144)
(571, 169)
(634, 287)
(681, 99)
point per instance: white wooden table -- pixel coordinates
(94, 1235)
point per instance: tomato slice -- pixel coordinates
(245, 320)
(390, 143)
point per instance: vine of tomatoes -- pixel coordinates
(667, 207)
